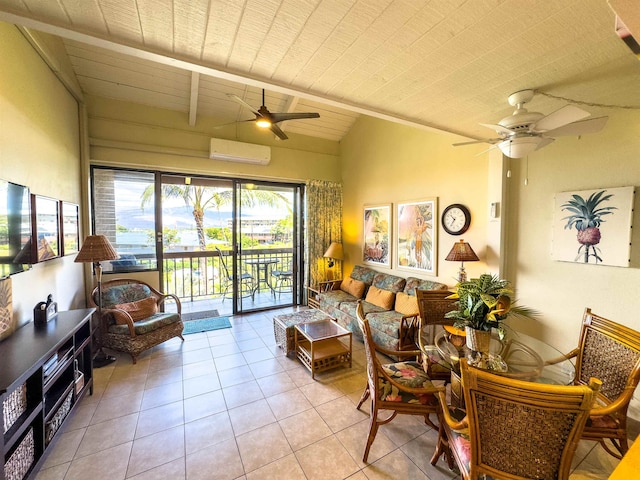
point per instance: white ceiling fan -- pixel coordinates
(523, 132)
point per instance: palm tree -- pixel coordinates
(200, 198)
(586, 217)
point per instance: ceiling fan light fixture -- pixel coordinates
(519, 147)
(263, 123)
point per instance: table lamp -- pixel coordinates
(95, 249)
(462, 252)
(333, 253)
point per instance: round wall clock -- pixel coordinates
(456, 219)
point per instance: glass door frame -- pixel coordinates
(261, 270)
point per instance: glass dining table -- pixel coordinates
(517, 356)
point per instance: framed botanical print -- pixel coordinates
(45, 213)
(69, 230)
(377, 235)
(416, 230)
(593, 226)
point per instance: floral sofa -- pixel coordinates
(389, 304)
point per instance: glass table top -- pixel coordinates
(519, 355)
(322, 329)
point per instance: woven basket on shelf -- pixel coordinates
(14, 405)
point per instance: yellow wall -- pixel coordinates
(39, 147)
(562, 290)
(114, 126)
(384, 163)
(391, 163)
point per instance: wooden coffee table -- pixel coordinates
(321, 346)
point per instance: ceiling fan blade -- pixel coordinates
(278, 131)
(498, 128)
(560, 118)
(233, 123)
(281, 117)
(591, 125)
(545, 141)
(488, 140)
(492, 147)
(243, 103)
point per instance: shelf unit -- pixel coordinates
(41, 366)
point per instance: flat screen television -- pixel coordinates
(15, 228)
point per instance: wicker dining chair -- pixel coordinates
(401, 387)
(611, 352)
(433, 305)
(512, 428)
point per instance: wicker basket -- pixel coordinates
(14, 405)
(478, 340)
(51, 427)
(21, 459)
(283, 327)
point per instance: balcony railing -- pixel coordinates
(196, 275)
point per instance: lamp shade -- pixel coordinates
(462, 252)
(96, 248)
(334, 251)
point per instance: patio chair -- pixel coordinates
(401, 387)
(283, 275)
(246, 283)
(512, 428)
(610, 352)
(433, 305)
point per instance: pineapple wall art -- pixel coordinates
(7, 325)
(593, 226)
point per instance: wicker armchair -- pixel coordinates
(433, 305)
(131, 319)
(611, 352)
(401, 387)
(512, 428)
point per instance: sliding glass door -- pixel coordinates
(223, 246)
(268, 242)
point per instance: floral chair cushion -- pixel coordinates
(148, 325)
(120, 294)
(460, 441)
(409, 374)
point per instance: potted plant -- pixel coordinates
(483, 304)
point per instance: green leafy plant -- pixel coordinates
(484, 302)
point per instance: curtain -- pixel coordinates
(323, 226)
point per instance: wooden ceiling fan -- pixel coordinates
(266, 119)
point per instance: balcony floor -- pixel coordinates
(198, 308)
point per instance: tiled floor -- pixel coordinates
(228, 404)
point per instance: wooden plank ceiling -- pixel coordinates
(445, 64)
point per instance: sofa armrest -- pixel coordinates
(329, 285)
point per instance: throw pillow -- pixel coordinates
(353, 287)
(381, 298)
(406, 304)
(139, 310)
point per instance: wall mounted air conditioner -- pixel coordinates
(231, 151)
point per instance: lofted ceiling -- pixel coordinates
(444, 64)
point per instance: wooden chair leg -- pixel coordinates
(373, 430)
(442, 447)
(364, 397)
